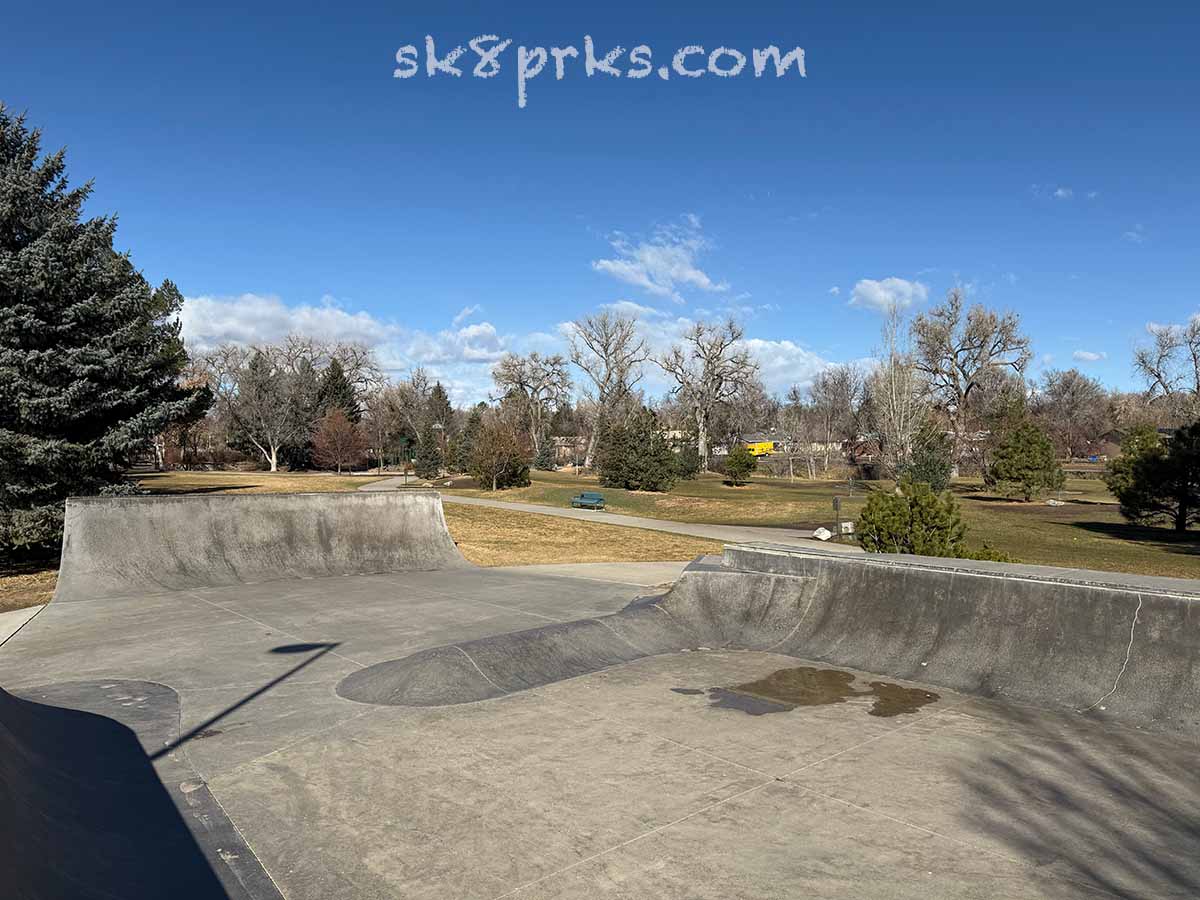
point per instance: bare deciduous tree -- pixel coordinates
(1073, 409)
(800, 425)
(709, 368)
(958, 351)
(835, 395)
(610, 352)
(537, 385)
(256, 394)
(899, 395)
(1171, 366)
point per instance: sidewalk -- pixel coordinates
(733, 534)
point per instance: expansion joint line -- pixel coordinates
(1128, 653)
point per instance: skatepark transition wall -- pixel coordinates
(115, 546)
(1118, 647)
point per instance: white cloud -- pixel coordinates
(835, 291)
(1092, 195)
(258, 318)
(465, 313)
(635, 310)
(1063, 193)
(663, 265)
(888, 293)
(460, 357)
(1088, 356)
(1136, 235)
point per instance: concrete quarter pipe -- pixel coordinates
(159, 690)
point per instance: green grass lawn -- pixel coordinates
(1086, 532)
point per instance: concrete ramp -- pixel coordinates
(114, 546)
(1118, 647)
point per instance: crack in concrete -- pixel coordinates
(1128, 653)
(482, 673)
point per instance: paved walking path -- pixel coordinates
(734, 534)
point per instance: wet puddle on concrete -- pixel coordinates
(787, 689)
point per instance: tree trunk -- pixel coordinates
(1181, 517)
(702, 437)
(273, 458)
(593, 440)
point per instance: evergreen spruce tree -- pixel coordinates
(428, 463)
(544, 461)
(636, 456)
(464, 442)
(932, 460)
(90, 354)
(336, 390)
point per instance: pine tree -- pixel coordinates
(464, 442)
(1159, 483)
(739, 464)
(428, 463)
(90, 354)
(440, 414)
(636, 456)
(931, 461)
(1024, 464)
(913, 519)
(336, 390)
(544, 461)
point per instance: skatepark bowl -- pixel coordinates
(316, 696)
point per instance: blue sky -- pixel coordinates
(1043, 155)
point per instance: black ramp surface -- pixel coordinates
(84, 814)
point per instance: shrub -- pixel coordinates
(739, 464)
(1024, 463)
(687, 462)
(915, 519)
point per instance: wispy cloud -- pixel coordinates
(835, 291)
(665, 264)
(465, 313)
(1136, 235)
(1088, 356)
(1063, 193)
(888, 293)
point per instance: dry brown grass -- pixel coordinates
(500, 537)
(29, 587)
(251, 482)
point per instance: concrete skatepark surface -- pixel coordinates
(727, 766)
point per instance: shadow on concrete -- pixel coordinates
(83, 813)
(321, 650)
(1115, 808)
